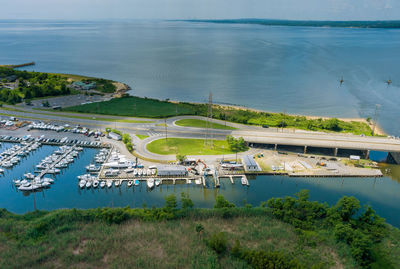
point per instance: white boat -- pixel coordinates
(153, 171)
(130, 183)
(1, 170)
(45, 184)
(109, 183)
(88, 184)
(139, 171)
(28, 187)
(135, 172)
(50, 180)
(129, 170)
(111, 173)
(119, 164)
(157, 182)
(92, 168)
(189, 181)
(144, 172)
(95, 183)
(82, 184)
(243, 180)
(17, 182)
(148, 172)
(198, 181)
(150, 183)
(29, 176)
(102, 184)
(117, 183)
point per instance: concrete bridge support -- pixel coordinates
(335, 151)
(305, 149)
(366, 154)
(276, 147)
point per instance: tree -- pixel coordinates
(236, 144)
(181, 158)
(221, 202)
(186, 201)
(170, 203)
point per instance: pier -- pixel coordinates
(16, 153)
(46, 171)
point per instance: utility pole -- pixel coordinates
(209, 136)
(377, 106)
(176, 110)
(134, 107)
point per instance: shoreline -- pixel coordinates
(123, 88)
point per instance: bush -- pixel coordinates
(221, 202)
(217, 242)
(186, 201)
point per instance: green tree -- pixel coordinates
(186, 201)
(221, 202)
(170, 203)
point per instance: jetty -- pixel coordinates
(46, 171)
(18, 65)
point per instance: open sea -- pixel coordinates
(273, 68)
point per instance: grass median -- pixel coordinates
(188, 146)
(202, 124)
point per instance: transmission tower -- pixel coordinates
(209, 135)
(376, 117)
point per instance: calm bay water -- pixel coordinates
(380, 193)
(292, 69)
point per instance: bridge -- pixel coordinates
(321, 140)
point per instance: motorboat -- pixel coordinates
(198, 181)
(157, 182)
(149, 172)
(244, 181)
(144, 172)
(50, 180)
(95, 183)
(150, 183)
(109, 183)
(135, 172)
(17, 182)
(88, 184)
(129, 170)
(28, 187)
(82, 184)
(130, 183)
(137, 182)
(1, 170)
(102, 184)
(93, 168)
(139, 171)
(117, 183)
(45, 184)
(29, 176)
(111, 173)
(153, 171)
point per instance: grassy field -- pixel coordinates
(83, 239)
(186, 146)
(202, 124)
(153, 108)
(145, 107)
(141, 137)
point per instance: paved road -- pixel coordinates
(156, 130)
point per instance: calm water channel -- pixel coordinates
(381, 193)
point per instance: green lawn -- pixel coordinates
(145, 107)
(202, 124)
(186, 146)
(141, 137)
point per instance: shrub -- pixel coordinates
(217, 242)
(221, 202)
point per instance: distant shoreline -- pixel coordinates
(392, 24)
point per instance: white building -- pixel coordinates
(171, 170)
(249, 164)
(114, 136)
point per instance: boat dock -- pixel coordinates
(46, 171)
(16, 153)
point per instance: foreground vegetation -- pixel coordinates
(152, 108)
(202, 124)
(188, 146)
(281, 233)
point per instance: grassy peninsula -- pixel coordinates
(17, 86)
(292, 232)
(153, 108)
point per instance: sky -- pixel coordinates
(201, 9)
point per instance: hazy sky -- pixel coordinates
(198, 9)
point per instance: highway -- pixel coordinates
(155, 129)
